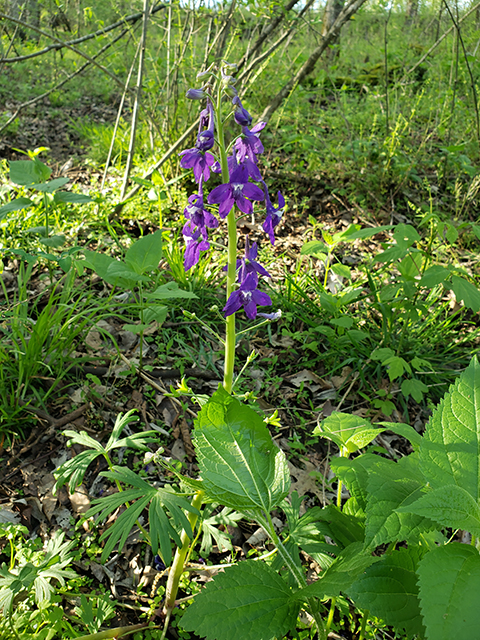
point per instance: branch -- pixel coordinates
(273, 24)
(59, 45)
(433, 47)
(64, 44)
(60, 84)
(345, 15)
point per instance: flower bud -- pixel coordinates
(196, 94)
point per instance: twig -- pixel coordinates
(138, 94)
(117, 121)
(272, 25)
(347, 12)
(441, 39)
(22, 23)
(29, 103)
(132, 18)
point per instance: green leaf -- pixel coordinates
(240, 465)
(169, 291)
(354, 473)
(450, 506)
(367, 232)
(313, 247)
(248, 601)
(99, 262)
(50, 187)
(388, 589)
(341, 270)
(404, 430)
(347, 431)
(121, 272)
(466, 291)
(15, 205)
(449, 582)
(226, 517)
(161, 500)
(348, 566)
(28, 172)
(343, 529)
(145, 254)
(72, 198)
(450, 445)
(434, 275)
(73, 471)
(53, 241)
(155, 313)
(414, 388)
(390, 486)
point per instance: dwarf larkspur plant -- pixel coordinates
(412, 503)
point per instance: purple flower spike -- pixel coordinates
(242, 117)
(198, 161)
(248, 297)
(274, 214)
(194, 244)
(235, 192)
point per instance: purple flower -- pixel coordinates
(242, 117)
(206, 138)
(271, 316)
(248, 264)
(194, 244)
(248, 297)
(274, 214)
(199, 216)
(197, 160)
(249, 144)
(235, 192)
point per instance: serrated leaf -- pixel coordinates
(239, 463)
(347, 431)
(388, 589)
(450, 445)
(349, 565)
(145, 254)
(392, 485)
(344, 529)
(450, 506)
(249, 601)
(449, 584)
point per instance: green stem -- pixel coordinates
(178, 564)
(363, 626)
(343, 454)
(330, 615)
(231, 253)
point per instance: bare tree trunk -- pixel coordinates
(333, 9)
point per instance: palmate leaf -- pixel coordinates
(73, 471)
(388, 589)
(240, 465)
(450, 603)
(161, 502)
(392, 485)
(450, 446)
(248, 601)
